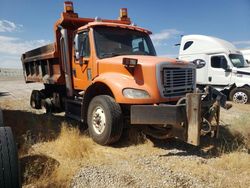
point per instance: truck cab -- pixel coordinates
(225, 67)
(123, 58)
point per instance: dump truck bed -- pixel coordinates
(43, 65)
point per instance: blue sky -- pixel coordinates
(27, 24)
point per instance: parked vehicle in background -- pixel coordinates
(246, 54)
(106, 73)
(225, 67)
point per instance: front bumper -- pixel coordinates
(186, 119)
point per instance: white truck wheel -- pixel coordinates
(239, 95)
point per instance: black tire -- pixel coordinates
(35, 99)
(113, 119)
(157, 132)
(1, 118)
(9, 168)
(239, 95)
(48, 105)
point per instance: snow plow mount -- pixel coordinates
(197, 115)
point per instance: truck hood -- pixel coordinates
(147, 76)
(243, 71)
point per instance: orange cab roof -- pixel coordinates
(99, 23)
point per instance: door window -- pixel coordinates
(84, 50)
(217, 61)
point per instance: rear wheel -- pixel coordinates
(35, 99)
(105, 120)
(240, 95)
(9, 169)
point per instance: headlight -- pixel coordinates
(135, 93)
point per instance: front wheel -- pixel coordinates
(240, 95)
(105, 120)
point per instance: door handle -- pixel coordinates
(210, 78)
(83, 61)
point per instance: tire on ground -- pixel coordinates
(239, 95)
(109, 113)
(35, 99)
(1, 118)
(9, 168)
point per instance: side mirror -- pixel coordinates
(76, 45)
(199, 63)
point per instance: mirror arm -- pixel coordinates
(228, 70)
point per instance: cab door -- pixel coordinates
(217, 74)
(81, 63)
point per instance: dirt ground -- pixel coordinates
(56, 152)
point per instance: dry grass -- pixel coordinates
(71, 144)
(230, 170)
(241, 127)
(71, 149)
(51, 151)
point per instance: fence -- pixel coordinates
(4, 72)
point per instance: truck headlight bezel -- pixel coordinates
(132, 93)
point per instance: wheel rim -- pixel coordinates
(240, 97)
(98, 120)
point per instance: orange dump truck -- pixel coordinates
(105, 73)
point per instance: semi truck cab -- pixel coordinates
(225, 67)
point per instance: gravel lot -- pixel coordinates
(150, 163)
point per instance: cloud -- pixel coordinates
(159, 39)
(16, 46)
(10, 61)
(8, 26)
(243, 42)
(12, 49)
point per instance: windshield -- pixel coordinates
(237, 60)
(115, 41)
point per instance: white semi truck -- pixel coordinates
(224, 66)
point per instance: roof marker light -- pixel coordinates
(68, 7)
(124, 14)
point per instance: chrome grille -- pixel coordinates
(178, 81)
